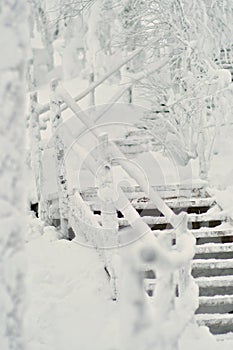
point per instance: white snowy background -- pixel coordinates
(67, 299)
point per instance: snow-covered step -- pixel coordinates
(216, 300)
(212, 264)
(214, 319)
(174, 203)
(144, 203)
(159, 220)
(214, 248)
(203, 282)
(214, 281)
(196, 189)
(219, 231)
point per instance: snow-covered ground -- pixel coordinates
(69, 297)
(69, 304)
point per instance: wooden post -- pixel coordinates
(83, 222)
(166, 279)
(108, 211)
(36, 153)
(136, 320)
(56, 120)
(35, 140)
(30, 73)
(106, 186)
(202, 156)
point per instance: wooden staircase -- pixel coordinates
(212, 266)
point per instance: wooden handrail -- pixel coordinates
(147, 188)
(45, 108)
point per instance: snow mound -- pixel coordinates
(69, 297)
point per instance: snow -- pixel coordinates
(213, 263)
(216, 281)
(216, 300)
(69, 293)
(69, 296)
(70, 304)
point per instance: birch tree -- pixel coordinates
(14, 40)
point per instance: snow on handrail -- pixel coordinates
(116, 153)
(45, 108)
(158, 65)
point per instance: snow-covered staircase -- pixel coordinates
(213, 271)
(212, 266)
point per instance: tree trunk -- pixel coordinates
(14, 41)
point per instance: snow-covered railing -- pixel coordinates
(37, 119)
(160, 323)
(175, 289)
(59, 93)
(83, 217)
(36, 124)
(104, 236)
(35, 139)
(127, 86)
(141, 230)
(122, 160)
(45, 108)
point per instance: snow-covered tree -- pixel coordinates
(44, 28)
(188, 93)
(101, 52)
(14, 40)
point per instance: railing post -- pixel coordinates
(136, 318)
(56, 120)
(108, 211)
(201, 148)
(36, 153)
(166, 288)
(130, 94)
(186, 280)
(35, 140)
(106, 186)
(92, 92)
(30, 74)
